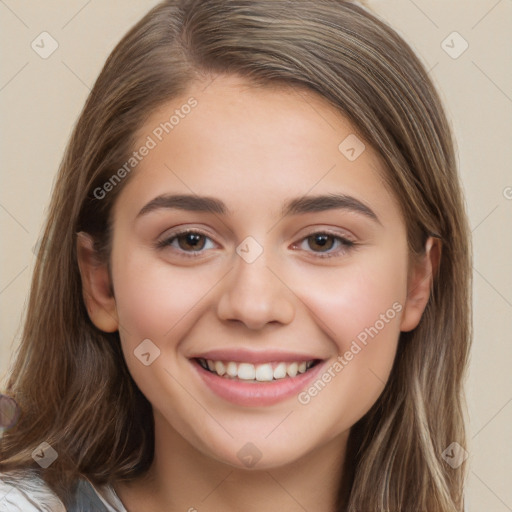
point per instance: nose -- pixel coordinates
(254, 295)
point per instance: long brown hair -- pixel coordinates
(70, 379)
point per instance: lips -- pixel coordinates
(255, 379)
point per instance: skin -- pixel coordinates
(254, 149)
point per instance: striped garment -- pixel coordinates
(26, 492)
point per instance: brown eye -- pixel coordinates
(187, 243)
(321, 242)
(325, 245)
(191, 241)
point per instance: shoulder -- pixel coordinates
(25, 491)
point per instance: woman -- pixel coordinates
(253, 290)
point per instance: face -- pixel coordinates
(260, 273)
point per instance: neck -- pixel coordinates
(181, 478)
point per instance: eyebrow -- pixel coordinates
(298, 206)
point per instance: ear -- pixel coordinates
(421, 277)
(96, 285)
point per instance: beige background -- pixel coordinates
(40, 100)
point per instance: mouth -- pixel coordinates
(252, 373)
(258, 383)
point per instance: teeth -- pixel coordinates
(246, 371)
(220, 368)
(292, 369)
(280, 371)
(232, 369)
(262, 372)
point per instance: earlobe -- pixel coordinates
(420, 284)
(96, 286)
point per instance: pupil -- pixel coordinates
(322, 241)
(192, 240)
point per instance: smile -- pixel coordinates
(265, 372)
(257, 383)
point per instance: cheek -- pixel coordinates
(359, 309)
(161, 303)
(154, 299)
(348, 299)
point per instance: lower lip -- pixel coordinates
(256, 394)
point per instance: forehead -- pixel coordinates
(253, 146)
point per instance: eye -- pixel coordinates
(326, 245)
(189, 242)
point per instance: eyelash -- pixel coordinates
(345, 244)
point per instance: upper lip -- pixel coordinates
(250, 356)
